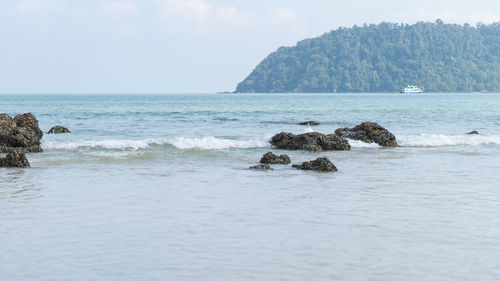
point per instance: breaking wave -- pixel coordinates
(429, 140)
(213, 143)
(308, 129)
(360, 144)
(179, 142)
(433, 140)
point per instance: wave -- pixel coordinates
(434, 140)
(308, 129)
(209, 143)
(103, 144)
(429, 140)
(360, 144)
(213, 143)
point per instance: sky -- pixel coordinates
(179, 46)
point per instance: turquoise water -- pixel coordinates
(157, 187)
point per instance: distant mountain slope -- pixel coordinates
(385, 58)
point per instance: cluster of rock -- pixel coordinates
(271, 158)
(20, 133)
(366, 132)
(369, 132)
(309, 141)
(322, 164)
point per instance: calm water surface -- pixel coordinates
(157, 187)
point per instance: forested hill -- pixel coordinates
(384, 58)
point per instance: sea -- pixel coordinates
(158, 187)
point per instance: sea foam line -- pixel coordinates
(361, 144)
(212, 143)
(429, 140)
(209, 143)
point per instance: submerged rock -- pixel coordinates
(322, 164)
(58, 130)
(20, 133)
(473, 133)
(14, 159)
(369, 132)
(309, 123)
(309, 141)
(271, 158)
(261, 167)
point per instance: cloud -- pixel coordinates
(204, 17)
(119, 7)
(191, 9)
(200, 15)
(286, 15)
(228, 13)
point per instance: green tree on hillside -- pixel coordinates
(384, 58)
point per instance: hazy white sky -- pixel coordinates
(168, 46)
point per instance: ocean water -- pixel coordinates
(157, 187)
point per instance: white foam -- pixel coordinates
(212, 143)
(180, 142)
(112, 154)
(105, 144)
(215, 143)
(360, 144)
(309, 129)
(429, 140)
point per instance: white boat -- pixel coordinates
(411, 89)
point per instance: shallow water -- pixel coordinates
(157, 187)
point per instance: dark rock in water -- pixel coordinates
(20, 133)
(473, 133)
(58, 130)
(309, 141)
(310, 123)
(261, 167)
(271, 158)
(14, 159)
(369, 132)
(29, 122)
(322, 164)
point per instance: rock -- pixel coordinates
(309, 141)
(14, 159)
(322, 164)
(58, 130)
(261, 167)
(369, 132)
(473, 133)
(29, 121)
(6, 121)
(20, 133)
(271, 158)
(309, 123)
